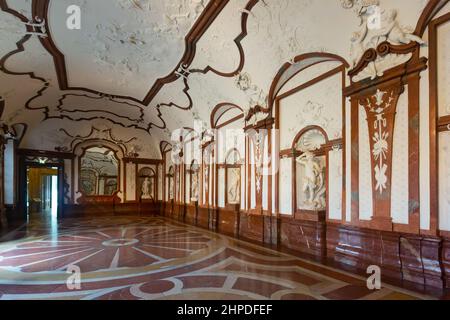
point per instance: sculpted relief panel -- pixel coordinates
(378, 25)
(234, 185)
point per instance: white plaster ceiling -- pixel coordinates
(125, 46)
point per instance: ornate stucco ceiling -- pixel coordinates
(142, 68)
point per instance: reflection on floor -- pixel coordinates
(154, 258)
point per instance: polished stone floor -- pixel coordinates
(155, 258)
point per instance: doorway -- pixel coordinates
(40, 190)
(42, 193)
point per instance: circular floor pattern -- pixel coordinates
(155, 258)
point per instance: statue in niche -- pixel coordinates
(194, 187)
(234, 189)
(313, 181)
(147, 189)
(171, 189)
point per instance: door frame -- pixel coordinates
(23, 188)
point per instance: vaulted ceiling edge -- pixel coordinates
(39, 26)
(143, 68)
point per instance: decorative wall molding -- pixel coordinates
(298, 64)
(220, 110)
(379, 97)
(374, 62)
(245, 14)
(381, 109)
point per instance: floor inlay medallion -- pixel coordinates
(154, 258)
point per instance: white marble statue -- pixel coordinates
(313, 182)
(234, 189)
(147, 189)
(171, 189)
(194, 187)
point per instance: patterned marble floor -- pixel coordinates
(155, 258)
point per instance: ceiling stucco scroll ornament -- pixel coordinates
(245, 14)
(358, 5)
(10, 132)
(256, 98)
(381, 42)
(133, 151)
(177, 152)
(315, 113)
(144, 46)
(207, 137)
(37, 27)
(183, 71)
(105, 134)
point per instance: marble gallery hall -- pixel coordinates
(224, 149)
